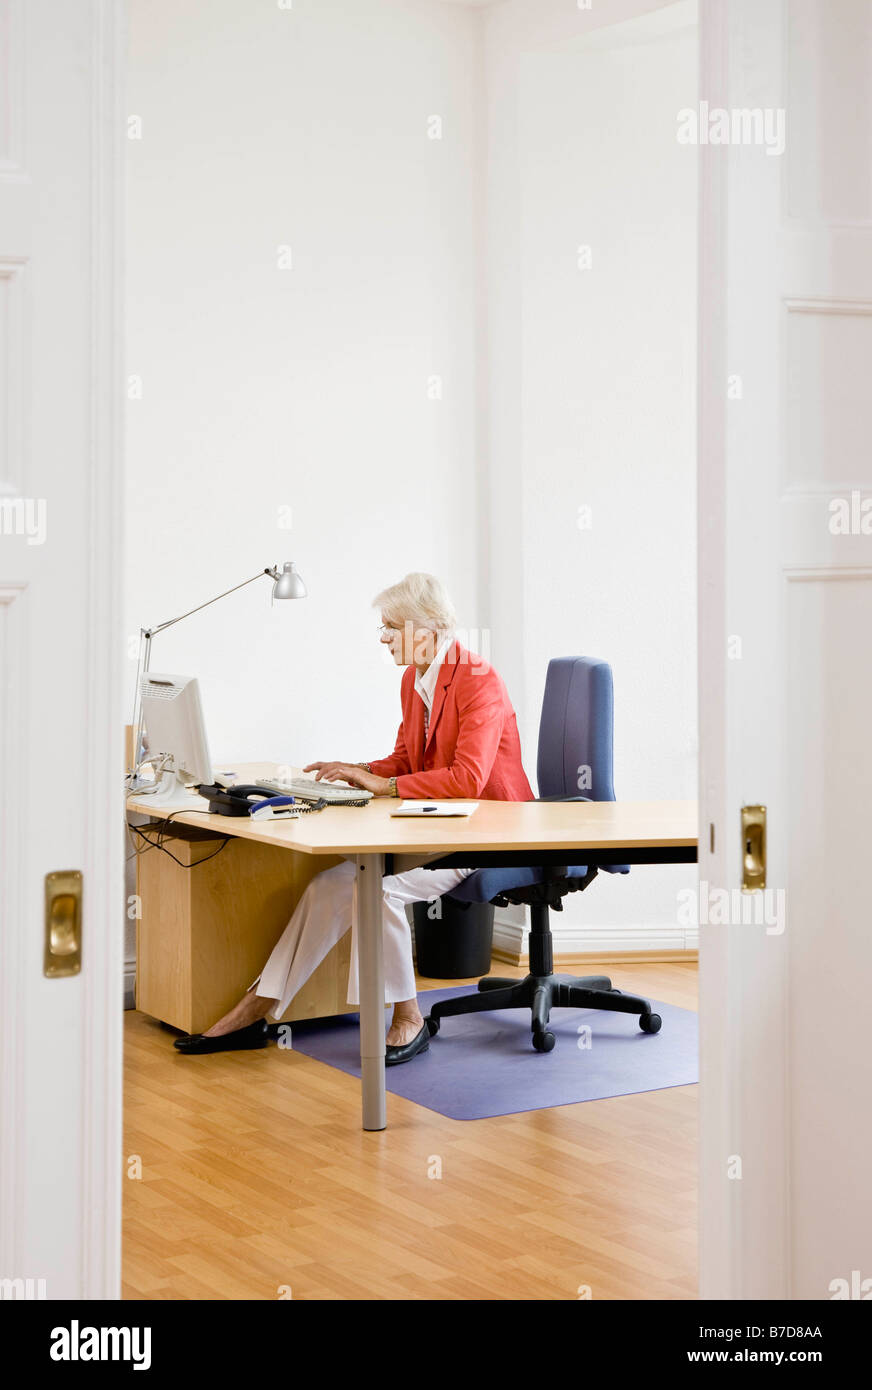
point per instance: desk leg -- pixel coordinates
(370, 959)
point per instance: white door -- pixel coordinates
(786, 645)
(60, 643)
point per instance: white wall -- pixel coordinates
(307, 388)
(267, 389)
(302, 388)
(592, 396)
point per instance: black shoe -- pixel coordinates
(405, 1052)
(242, 1040)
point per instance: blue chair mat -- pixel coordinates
(481, 1065)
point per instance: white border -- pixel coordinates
(13, 737)
(103, 807)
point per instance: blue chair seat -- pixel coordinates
(485, 884)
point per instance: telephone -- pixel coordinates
(235, 801)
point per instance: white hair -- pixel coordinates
(421, 599)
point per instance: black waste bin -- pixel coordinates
(455, 944)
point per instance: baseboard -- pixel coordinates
(590, 944)
(621, 957)
(509, 941)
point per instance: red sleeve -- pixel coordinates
(480, 728)
(398, 761)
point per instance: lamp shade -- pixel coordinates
(289, 584)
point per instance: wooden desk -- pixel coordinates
(498, 833)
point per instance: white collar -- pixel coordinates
(426, 684)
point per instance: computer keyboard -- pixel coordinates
(308, 789)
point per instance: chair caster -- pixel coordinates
(543, 1042)
(650, 1023)
(433, 1025)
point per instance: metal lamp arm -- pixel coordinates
(150, 631)
(146, 634)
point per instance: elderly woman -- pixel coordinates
(458, 738)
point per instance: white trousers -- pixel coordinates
(323, 915)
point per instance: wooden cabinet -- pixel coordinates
(208, 924)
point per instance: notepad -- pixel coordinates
(435, 808)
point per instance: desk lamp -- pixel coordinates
(286, 584)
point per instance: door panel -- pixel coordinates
(787, 304)
(60, 642)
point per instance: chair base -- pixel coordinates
(542, 993)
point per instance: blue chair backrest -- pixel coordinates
(576, 729)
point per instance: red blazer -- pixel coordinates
(472, 749)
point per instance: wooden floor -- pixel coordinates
(257, 1182)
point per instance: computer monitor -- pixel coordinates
(173, 720)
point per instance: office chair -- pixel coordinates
(575, 733)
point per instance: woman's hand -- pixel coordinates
(348, 772)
